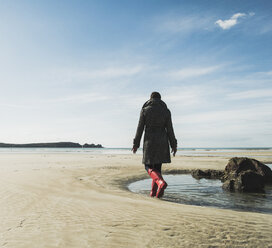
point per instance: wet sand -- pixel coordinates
(81, 200)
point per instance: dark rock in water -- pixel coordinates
(246, 175)
(209, 174)
(236, 165)
(246, 181)
(198, 174)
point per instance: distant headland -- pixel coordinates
(51, 145)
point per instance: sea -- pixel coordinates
(204, 151)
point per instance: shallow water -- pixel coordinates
(195, 152)
(207, 192)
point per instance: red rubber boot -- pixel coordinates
(156, 176)
(154, 188)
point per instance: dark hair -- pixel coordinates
(155, 95)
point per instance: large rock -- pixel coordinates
(208, 174)
(246, 175)
(246, 181)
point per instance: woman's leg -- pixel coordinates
(154, 186)
(148, 166)
(157, 167)
(158, 184)
(162, 187)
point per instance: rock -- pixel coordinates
(86, 145)
(51, 145)
(237, 165)
(198, 174)
(247, 181)
(209, 174)
(229, 185)
(246, 175)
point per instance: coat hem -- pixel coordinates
(163, 162)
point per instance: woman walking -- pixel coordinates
(155, 119)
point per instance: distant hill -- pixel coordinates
(51, 145)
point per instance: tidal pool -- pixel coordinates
(185, 189)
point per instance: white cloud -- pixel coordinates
(82, 98)
(18, 106)
(105, 73)
(192, 72)
(268, 73)
(112, 72)
(266, 27)
(183, 98)
(227, 24)
(185, 24)
(246, 126)
(250, 94)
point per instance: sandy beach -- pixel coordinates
(81, 200)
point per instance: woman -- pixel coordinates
(155, 119)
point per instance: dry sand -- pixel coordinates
(79, 200)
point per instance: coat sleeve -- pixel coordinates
(140, 129)
(170, 132)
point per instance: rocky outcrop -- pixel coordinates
(92, 146)
(50, 145)
(208, 174)
(246, 175)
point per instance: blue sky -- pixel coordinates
(81, 70)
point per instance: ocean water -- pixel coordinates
(182, 151)
(185, 189)
(68, 150)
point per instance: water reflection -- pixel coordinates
(205, 192)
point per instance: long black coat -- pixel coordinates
(155, 119)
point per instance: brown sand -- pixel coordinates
(79, 200)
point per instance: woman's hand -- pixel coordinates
(174, 151)
(134, 149)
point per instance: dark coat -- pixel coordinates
(155, 119)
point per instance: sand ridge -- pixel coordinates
(79, 200)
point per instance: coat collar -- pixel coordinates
(154, 101)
